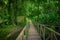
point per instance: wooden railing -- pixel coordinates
(24, 33)
(42, 32)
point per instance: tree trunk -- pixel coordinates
(9, 12)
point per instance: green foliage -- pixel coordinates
(50, 19)
(45, 12)
(7, 29)
(17, 12)
(9, 12)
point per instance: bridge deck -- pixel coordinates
(33, 34)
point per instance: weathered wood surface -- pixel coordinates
(33, 34)
(21, 34)
(51, 30)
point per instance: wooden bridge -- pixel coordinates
(30, 32)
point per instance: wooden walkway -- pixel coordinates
(33, 34)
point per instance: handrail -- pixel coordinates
(52, 30)
(49, 29)
(41, 28)
(22, 33)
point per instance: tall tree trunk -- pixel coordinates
(15, 12)
(9, 12)
(59, 9)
